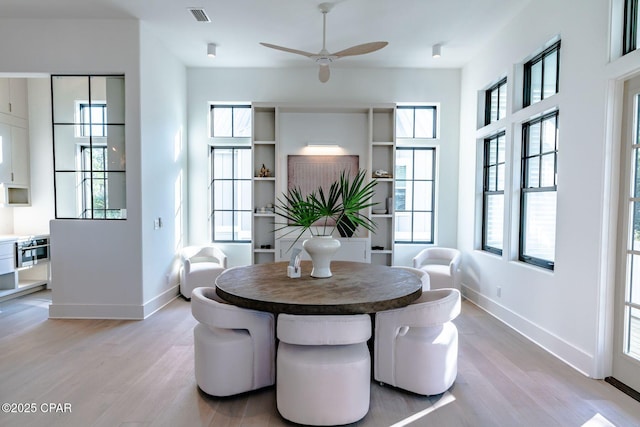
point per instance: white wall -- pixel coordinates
(97, 265)
(163, 145)
(561, 309)
(348, 86)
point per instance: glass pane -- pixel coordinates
(223, 195)
(400, 196)
(99, 194)
(403, 226)
(68, 194)
(533, 172)
(549, 134)
(493, 152)
(540, 225)
(116, 193)
(536, 82)
(423, 195)
(422, 227)
(636, 169)
(424, 123)
(409, 196)
(550, 74)
(404, 164)
(502, 101)
(548, 171)
(222, 117)
(242, 226)
(493, 108)
(242, 122)
(633, 290)
(109, 90)
(67, 147)
(68, 93)
(404, 123)
(635, 214)
(533, 140)
(222, 163)
(243, 195)
(243, 166)
(500, 183)
(632, 332)
(223, 225)
(494, 216)
(116, 159)
(492, 178)
(424, 164)
(501, 148)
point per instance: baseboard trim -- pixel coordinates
(634, 394)
(576, 358)
(160, 301)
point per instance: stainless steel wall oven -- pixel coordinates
(32, 250)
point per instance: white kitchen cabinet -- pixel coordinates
(14, 165)
(13, 97)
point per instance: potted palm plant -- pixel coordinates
(321, 212)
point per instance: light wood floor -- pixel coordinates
(140, 373)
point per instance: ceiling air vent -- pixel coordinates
(199, 14)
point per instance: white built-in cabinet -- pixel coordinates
(14, 143)
(379, 137)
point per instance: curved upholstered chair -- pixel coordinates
(323, 368)
(200, 267)
(441, 264)
(421, 274)
(416, 347)
(234, 348)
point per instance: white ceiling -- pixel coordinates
(237, 26)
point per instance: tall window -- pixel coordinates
(495, 105)
(230, 121)
(631, 23)
(416, 122)
(89, 146)
(415, 195)
(231, 194)
(538, 191)
(541, 75)
(493, 202)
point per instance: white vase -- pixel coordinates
(321, 249)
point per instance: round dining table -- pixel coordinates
(353, 288)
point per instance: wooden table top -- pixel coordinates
(354, 288)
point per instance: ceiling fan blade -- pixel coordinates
(324, 73)
(286, 49)
(361, 49)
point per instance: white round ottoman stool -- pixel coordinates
(323, 368)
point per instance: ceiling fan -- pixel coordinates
(324, 57)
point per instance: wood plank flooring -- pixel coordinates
(140, 373)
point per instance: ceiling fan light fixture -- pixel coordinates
(211, 50)
(324, 57)
(436, 50)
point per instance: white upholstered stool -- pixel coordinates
(323, 368)
(234, 348)
(416, 347)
